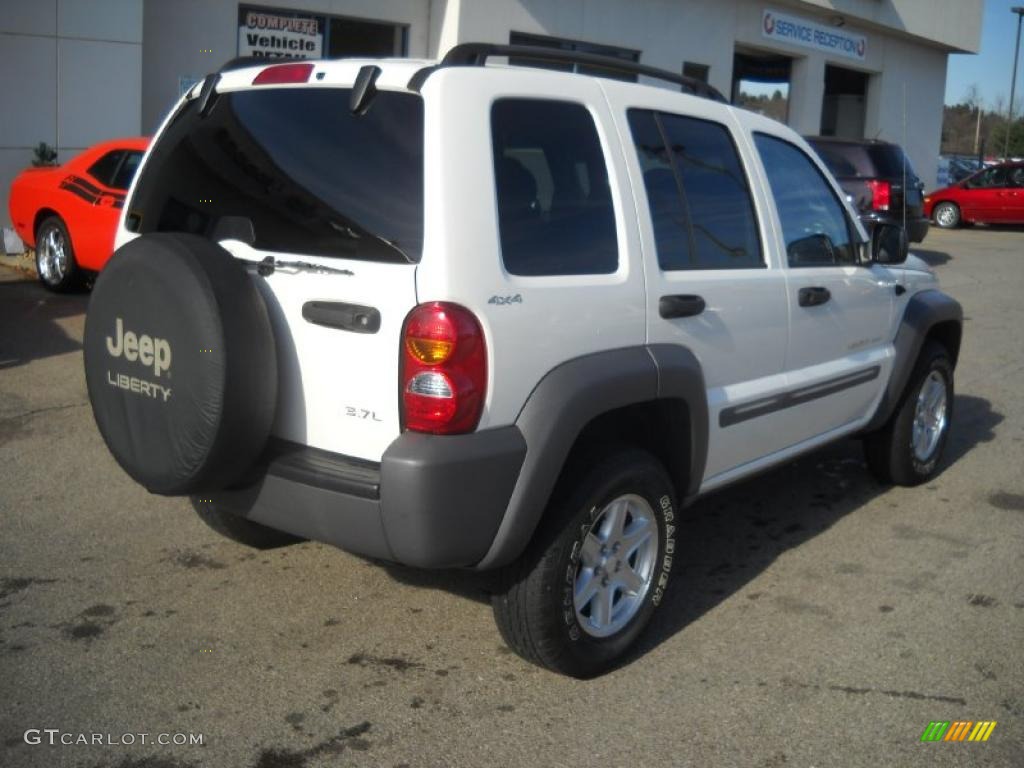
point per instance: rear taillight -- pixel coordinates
(443, 375)
(881, 194)
(284, 73)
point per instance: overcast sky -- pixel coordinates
(992, 67)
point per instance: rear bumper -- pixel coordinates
(432, 502)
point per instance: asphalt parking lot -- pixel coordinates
(817, 619)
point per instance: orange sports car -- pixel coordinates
(69, 213)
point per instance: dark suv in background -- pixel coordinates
(873, 174)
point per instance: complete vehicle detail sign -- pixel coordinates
(279, 34)
(809, 34)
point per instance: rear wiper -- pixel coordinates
(354, 231)
(269, 264)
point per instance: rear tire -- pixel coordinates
(237, 528)
(908, 449)
(947, 215)
(55, 257)
(596, 569)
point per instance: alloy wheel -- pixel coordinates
(616, 566)
(930, 416)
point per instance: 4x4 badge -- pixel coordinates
(503, 300)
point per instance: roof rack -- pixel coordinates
(476, 55)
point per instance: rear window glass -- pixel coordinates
(555, 213)
(866, 161)
(292, 170)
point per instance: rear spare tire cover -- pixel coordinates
(180, 363)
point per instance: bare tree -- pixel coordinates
(972, 98)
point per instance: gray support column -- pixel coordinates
(806, 92)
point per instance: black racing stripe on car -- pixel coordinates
(752, 410)
(83, 182)
(71, 185)
(89, 192)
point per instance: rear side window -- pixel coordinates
(103, 170)
(700, 202)
(840, 162)
(555, 212)
(890, 160)
(814, 224)
(291, 170)
(126, 171)
(991, 178)
(863, 161)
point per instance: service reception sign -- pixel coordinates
(271, 33)
(784, 28)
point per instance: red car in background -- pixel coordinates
(993, 195)
(69, 213)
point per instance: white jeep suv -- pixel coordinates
(452, 314)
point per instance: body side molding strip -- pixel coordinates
(739, 413)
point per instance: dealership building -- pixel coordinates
(75, 72)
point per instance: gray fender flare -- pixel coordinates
(924, 311)
(571, 396)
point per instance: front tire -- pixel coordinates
(55, 257)
(908, 449)
(947, 215)
(597, 567)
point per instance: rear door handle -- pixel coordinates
(345, 317)
(680, 306)
(814, 296)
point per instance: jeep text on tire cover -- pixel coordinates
(144, 348)
(514, 319)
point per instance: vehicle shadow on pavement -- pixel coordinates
(472, 585)
(730, 537)
(28, 322)
(932, 258)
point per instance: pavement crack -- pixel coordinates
(901, 694)
(788, 682)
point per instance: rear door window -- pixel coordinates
(555, 211)
(292, 170)
(701, 209)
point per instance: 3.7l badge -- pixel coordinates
(361, 413)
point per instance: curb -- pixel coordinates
(22, 263)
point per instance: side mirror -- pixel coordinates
(813, 250)
(889, 244)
